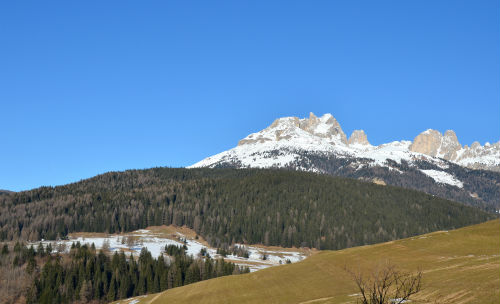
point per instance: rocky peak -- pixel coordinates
(433, 143)
(325, 126)
(450, 134)
(449, 146)
(427, 142)
(309, 124)
(290, 128)
(358, 137)
(475, 145)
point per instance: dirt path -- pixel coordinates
(154, 298)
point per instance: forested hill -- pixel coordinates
(273, 207)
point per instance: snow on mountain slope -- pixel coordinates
(480, 157)
(444, 178)
(284, 142)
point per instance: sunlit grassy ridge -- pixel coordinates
(460, 266)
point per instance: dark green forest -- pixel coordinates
(85, 275)
(272, 207)
(484, 183)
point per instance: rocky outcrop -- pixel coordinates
(326, 127)
(449, 146)
(480, 157)
(358, 137)
(427, 142)
(288, 128)
(433, 143)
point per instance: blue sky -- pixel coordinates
(92, 86)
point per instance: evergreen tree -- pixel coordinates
(112, 290)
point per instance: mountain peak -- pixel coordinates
(288, 139)
(358, 137)
(427, 142)
(325, 127)
(294, 129)
(449, 146)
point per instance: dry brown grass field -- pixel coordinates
(459, 266)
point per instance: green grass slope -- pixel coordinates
(459, 266)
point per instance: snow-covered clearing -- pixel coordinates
(133, 242)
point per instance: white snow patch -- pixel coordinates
(156, 245)
(399, 300)
(443, 178)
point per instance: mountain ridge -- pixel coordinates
(318, 144)
(326, 130)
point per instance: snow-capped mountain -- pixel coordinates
(433, 143)
(433, 162)
(292, 136)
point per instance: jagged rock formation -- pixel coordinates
(288, 128)
(326, 126)
(427, 142)
(433, 143)
(358, 137)
(449, 146)
(325, 135)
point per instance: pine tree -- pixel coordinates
(112, 290)
(31, 265)
(40, 251)
(164, 281)
(177, 277)
(156, 284)
(86, 291)
(125, 287)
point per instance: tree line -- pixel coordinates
(86, 275)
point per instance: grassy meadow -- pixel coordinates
(459, 266)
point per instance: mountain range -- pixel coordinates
(434, 163)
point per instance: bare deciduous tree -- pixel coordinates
(105, 246)
(386, 284)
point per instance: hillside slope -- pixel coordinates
(271, 207)
(459, 266)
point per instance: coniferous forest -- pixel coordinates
(225, 206)
(85, 275)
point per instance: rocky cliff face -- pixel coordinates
(427, 142)
(292, 128)
(358, 137)
(449, 146)
(326, 127)
(433, 143)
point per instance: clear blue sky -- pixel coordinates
(92, 86)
